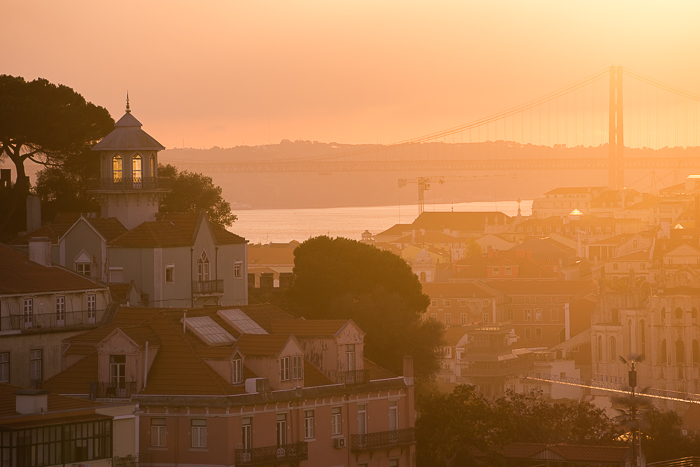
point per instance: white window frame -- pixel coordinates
(83, 268)
(170, 268)
(393, 415)
(362, 419)
(238, 270)
(337, 421)
(36, 359)
(448, 352)
(448, 319)
(198, 429)
(92, 307)
(237, 371)
(463, 319)
(538, 314)
(158, 433)
(60, 310)
(281, 429)
(297, 367)
(247, 433)
(350, 359)
(28, 312)
(309, 425)
(284, 369)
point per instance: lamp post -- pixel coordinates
(632, 380)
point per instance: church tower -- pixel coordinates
(128, 187)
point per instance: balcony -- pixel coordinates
(272, 455)
(129, 184)
(18, 321)
(215, 287)
(383, 440)
(349, 377)
(113, 391)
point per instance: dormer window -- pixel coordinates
(117, 168)
(350, 356)
(203, 267)
(237, 370)
(298, 367)
(117, 372)
(284, 368)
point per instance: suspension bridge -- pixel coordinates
(584, 126)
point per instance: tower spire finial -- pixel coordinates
(128, 109)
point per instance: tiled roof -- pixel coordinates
(396, 229)
(55, 230)
(308, 327)
(636, 256)
(56, 402)
(128, 135)
(264, 314)
(269, 345)
(376, 371)
(459, 290)
(590, 453)
(556, 287)
(20, 275)
(463, 221)
(76, 378)
(110, 228)
(313, 377)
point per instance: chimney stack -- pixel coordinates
(30, 401)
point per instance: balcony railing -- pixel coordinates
(348, 377)
(208, 287)
(129, 184)
(42, 321)
(272, 455)
(383, 439)
(113, 390)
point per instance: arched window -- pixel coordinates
(117, 168)
(203, 267)
(642, 338)
(662, 353)
(152, 168)
(678, 313)
(680, 352)
(613, 348)
(136, 170)
(696, 353)
(600, 349)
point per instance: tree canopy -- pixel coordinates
(342, 278)
(44, 123)
(193, 191)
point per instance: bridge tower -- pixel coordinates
(616, 143)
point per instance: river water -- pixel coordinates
(284, 225)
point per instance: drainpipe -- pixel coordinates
(145, 368)
(191, 266)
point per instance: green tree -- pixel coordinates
(342, 278)
(43, 123)
(193, 192)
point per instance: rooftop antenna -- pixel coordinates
(128, 109)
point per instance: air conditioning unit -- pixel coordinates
(338, 443)
(256, 385)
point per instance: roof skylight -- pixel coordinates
(240, 321)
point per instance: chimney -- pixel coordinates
(408, 370)
(33, 213)
(40, 250)
(30, 401)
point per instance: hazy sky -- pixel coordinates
(224, 73)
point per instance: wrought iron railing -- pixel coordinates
(208, 287)
(122, 390)
(383, 439)
(129, 184)
(37, 321)
(272, 455)
(348, 377)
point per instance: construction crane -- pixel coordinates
(424, 184)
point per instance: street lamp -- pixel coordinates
(632, 380)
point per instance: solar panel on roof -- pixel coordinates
(209, 331)
(240, 321)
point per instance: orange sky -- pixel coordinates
(224, 73)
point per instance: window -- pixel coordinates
(68, 444)
(527, 314)
(496, 271)
(117, 371)
(433, 302)
(152, 172)
(158, 432)
(463, 319)
(117, 168)
(91, 308)
(284, 368)
(509, 271)
(393, 463)
(613, 349)
(35, 366)
(136, 167)
(203, 267)
(309, 424)
(5, 367)
(350, 356)
(199, 433)
(509, 314)
(538, 314)
(281, 429)
(83, 268)
(28, 313)
(484, 303)
(361, 419)
(169, 273)
(538, 334)
(297, 367)
(247, 433)
(116, 275)
(393, 415)
(527, 333)
(237, 371)
(336, 421)
(448, 319)
(238, 269)
(60, 311)
(485, 318)
(447, 352)
(433, 316)
(462, 303)
(448, 302)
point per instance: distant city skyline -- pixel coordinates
(225, 73)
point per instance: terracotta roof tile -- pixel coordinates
(110, 228)
(313, 377)
(76, 378)
(56, 402)
(55, 230)
(262, 344)
(308, 327)
(20, 275)
(376, 371)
